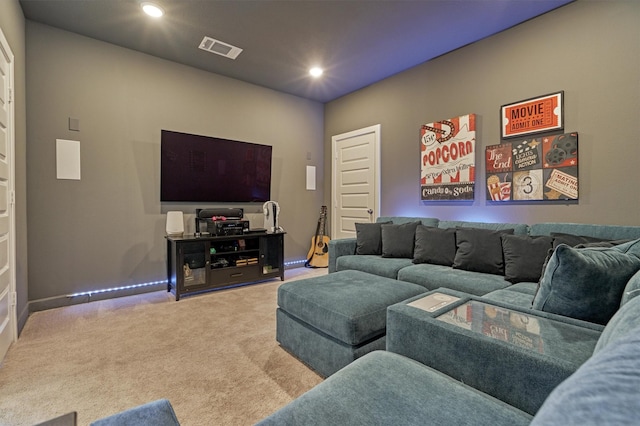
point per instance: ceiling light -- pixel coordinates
(152, 10)
(316, 72)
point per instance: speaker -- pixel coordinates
(229, 213)
(175, 223)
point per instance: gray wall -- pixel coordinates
(589, 49)
(107, 229)
(12, 23)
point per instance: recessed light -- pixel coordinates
(316, 72)
(152, 10)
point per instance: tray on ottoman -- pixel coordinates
(329, 321)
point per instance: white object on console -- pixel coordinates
(271, 210)
(175, 223)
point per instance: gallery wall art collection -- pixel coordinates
(534, 161)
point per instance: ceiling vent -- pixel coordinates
(219, 48)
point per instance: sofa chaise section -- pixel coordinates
(383, 388)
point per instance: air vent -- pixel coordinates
(219, 48)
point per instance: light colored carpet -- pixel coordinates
(214, 356)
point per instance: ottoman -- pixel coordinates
(329, 321)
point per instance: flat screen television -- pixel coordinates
(198, 168)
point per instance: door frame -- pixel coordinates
(5, 50)
(376, 130)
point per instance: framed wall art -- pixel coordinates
(535, 115)
(542, 168)
(447, 159)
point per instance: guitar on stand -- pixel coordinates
(318, 256)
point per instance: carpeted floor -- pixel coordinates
(214, 356)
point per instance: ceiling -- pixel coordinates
(357, 42)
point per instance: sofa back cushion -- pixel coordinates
(518, 228)
(587, 283)
(369, 238)
(426, 221)
(609, 232)
(435, 245)
(524, 257)
(398, 239)
(480, 250)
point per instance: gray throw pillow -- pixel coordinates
(369, 238)
(480, 250)
(398, 240)
(435, 245)
(524, 257)
(587, 283)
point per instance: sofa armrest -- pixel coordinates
(341, 247)
(516, 374)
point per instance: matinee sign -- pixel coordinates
(447, 159)
(532, 116)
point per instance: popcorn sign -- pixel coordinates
(447, 156)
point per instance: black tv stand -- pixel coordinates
(198, 263)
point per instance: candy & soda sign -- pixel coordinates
(447, 159)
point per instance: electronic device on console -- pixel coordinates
(222, 221)
(227, 227)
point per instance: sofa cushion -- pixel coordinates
(480, 250)
(435, 276)
(587, 283)
(377, 265)
(520, 294)
(398, 240)
(603, 391)
(369, 238)
(524, 257)
(435, 245)
(383, 388)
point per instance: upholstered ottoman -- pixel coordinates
(329, 321)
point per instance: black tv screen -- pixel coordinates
(207, 169)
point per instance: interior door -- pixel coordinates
(355, 180)
(8, 327)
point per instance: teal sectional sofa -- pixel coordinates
(342, 256)
(387, 388)
(515, 347)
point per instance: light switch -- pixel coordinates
(74, 124)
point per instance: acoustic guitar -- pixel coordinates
(318, 256)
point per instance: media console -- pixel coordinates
(201, 263)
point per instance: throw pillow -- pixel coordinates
(398, 240)
(587, 283)
(435, 245)
(480, 250)
(524, 257)
(369, 238)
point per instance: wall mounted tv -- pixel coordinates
(207, 169)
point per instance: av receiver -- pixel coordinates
(227, 227)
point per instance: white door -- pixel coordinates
(355, 180)
(8, 327)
